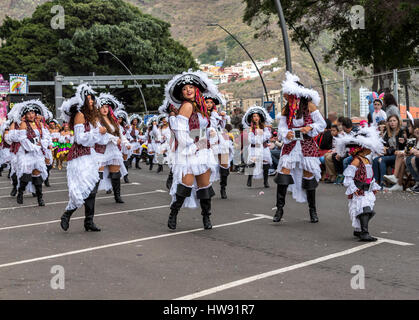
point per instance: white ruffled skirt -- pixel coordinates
(82, 176)
(195, 164)
(111, 157)
(258, 156)
(356, 205)
(296, 162)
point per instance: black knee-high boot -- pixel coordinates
(169, 180)
(89, 211)
(224, 172)
(129, 161)
(266, 175)
(151, 160)
(364, 219)
(37, 182)
(2, 168)
(14, 182)
(65, 219)
(24, 180)
(160, 168)
(282, 181)
(310, 186)
(137, 161)
(204, 196)
(116, 186)
(126, 180)
(182, 192)
(249, 180)
(49, 167)
(8, 175)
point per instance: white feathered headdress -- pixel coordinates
(151, 120)
(13, 114)
(69, 107)
(5, 125)
(83, 90)
(291, 87)
(173, 89)
(367, 137)
(164, 108)
(218, 99)
(37, 106)
(136, 116)
(107, 98)
(264, 116)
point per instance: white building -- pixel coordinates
(224, 78)
(250, 73)
(363, 102)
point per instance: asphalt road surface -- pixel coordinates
(245, 255)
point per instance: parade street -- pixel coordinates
(244, 256)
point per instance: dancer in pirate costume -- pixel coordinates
(299, 164)
(256, 121)
(12, 138)
(31, 169)
(169, 110)
(163, 142)
(223, 146)
(153, 140)
(82, 162)
(54, 129)
(126, 150)
(65, 143)
(134, 138)
(359, 177)
(5, 156)
(112, 164)
(47, 144)
(194, 164)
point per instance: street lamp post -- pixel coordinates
(260, 75)
(287, 49)
(284, 35)
(139, 87)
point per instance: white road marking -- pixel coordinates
(78, 218)
(164, 235)
(286, 269)
(52, 178)
(97, 198)
(52, 184)
(62, 190)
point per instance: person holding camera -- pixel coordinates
(299, 164)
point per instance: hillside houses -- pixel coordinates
(240, 72)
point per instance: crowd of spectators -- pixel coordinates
(397, 169)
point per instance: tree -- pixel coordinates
(141, 41)
(390, 38)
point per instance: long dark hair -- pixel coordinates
(112, 121)
(89, 115)
(389, 100)
(303, 107)
(252, 124)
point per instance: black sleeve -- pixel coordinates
(327, 141)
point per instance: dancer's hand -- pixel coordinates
(305, 130)
(290, 135)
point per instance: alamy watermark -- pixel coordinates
(58, 21)
(358, 281)
(58, 280)
(357, 17)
